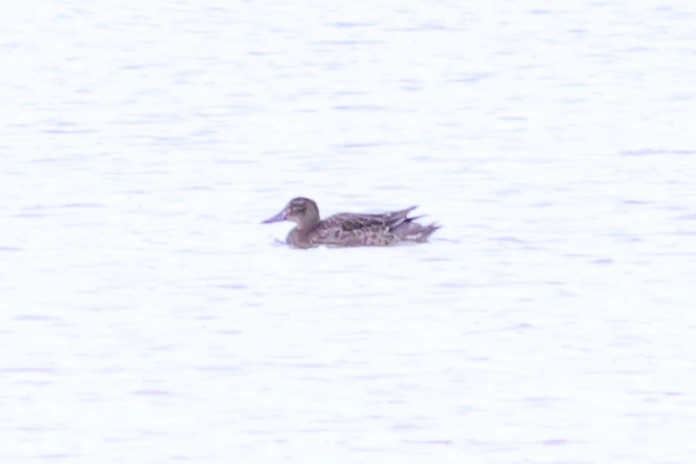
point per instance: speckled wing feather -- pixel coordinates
(353, 222)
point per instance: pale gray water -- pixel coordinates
(148, 317)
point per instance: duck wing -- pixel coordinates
(349, 222)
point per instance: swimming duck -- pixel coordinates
(349, 229)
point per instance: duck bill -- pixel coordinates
(277, 218)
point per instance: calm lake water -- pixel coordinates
(148, 317)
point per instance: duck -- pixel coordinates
(349, 229)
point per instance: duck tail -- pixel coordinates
(426, 231)
(411, 231)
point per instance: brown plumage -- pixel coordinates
(349, 229)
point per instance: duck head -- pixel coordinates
(302, 211)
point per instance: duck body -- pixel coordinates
(349, 229)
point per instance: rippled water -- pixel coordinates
(147, 316)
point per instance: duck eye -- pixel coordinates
(297, 206)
